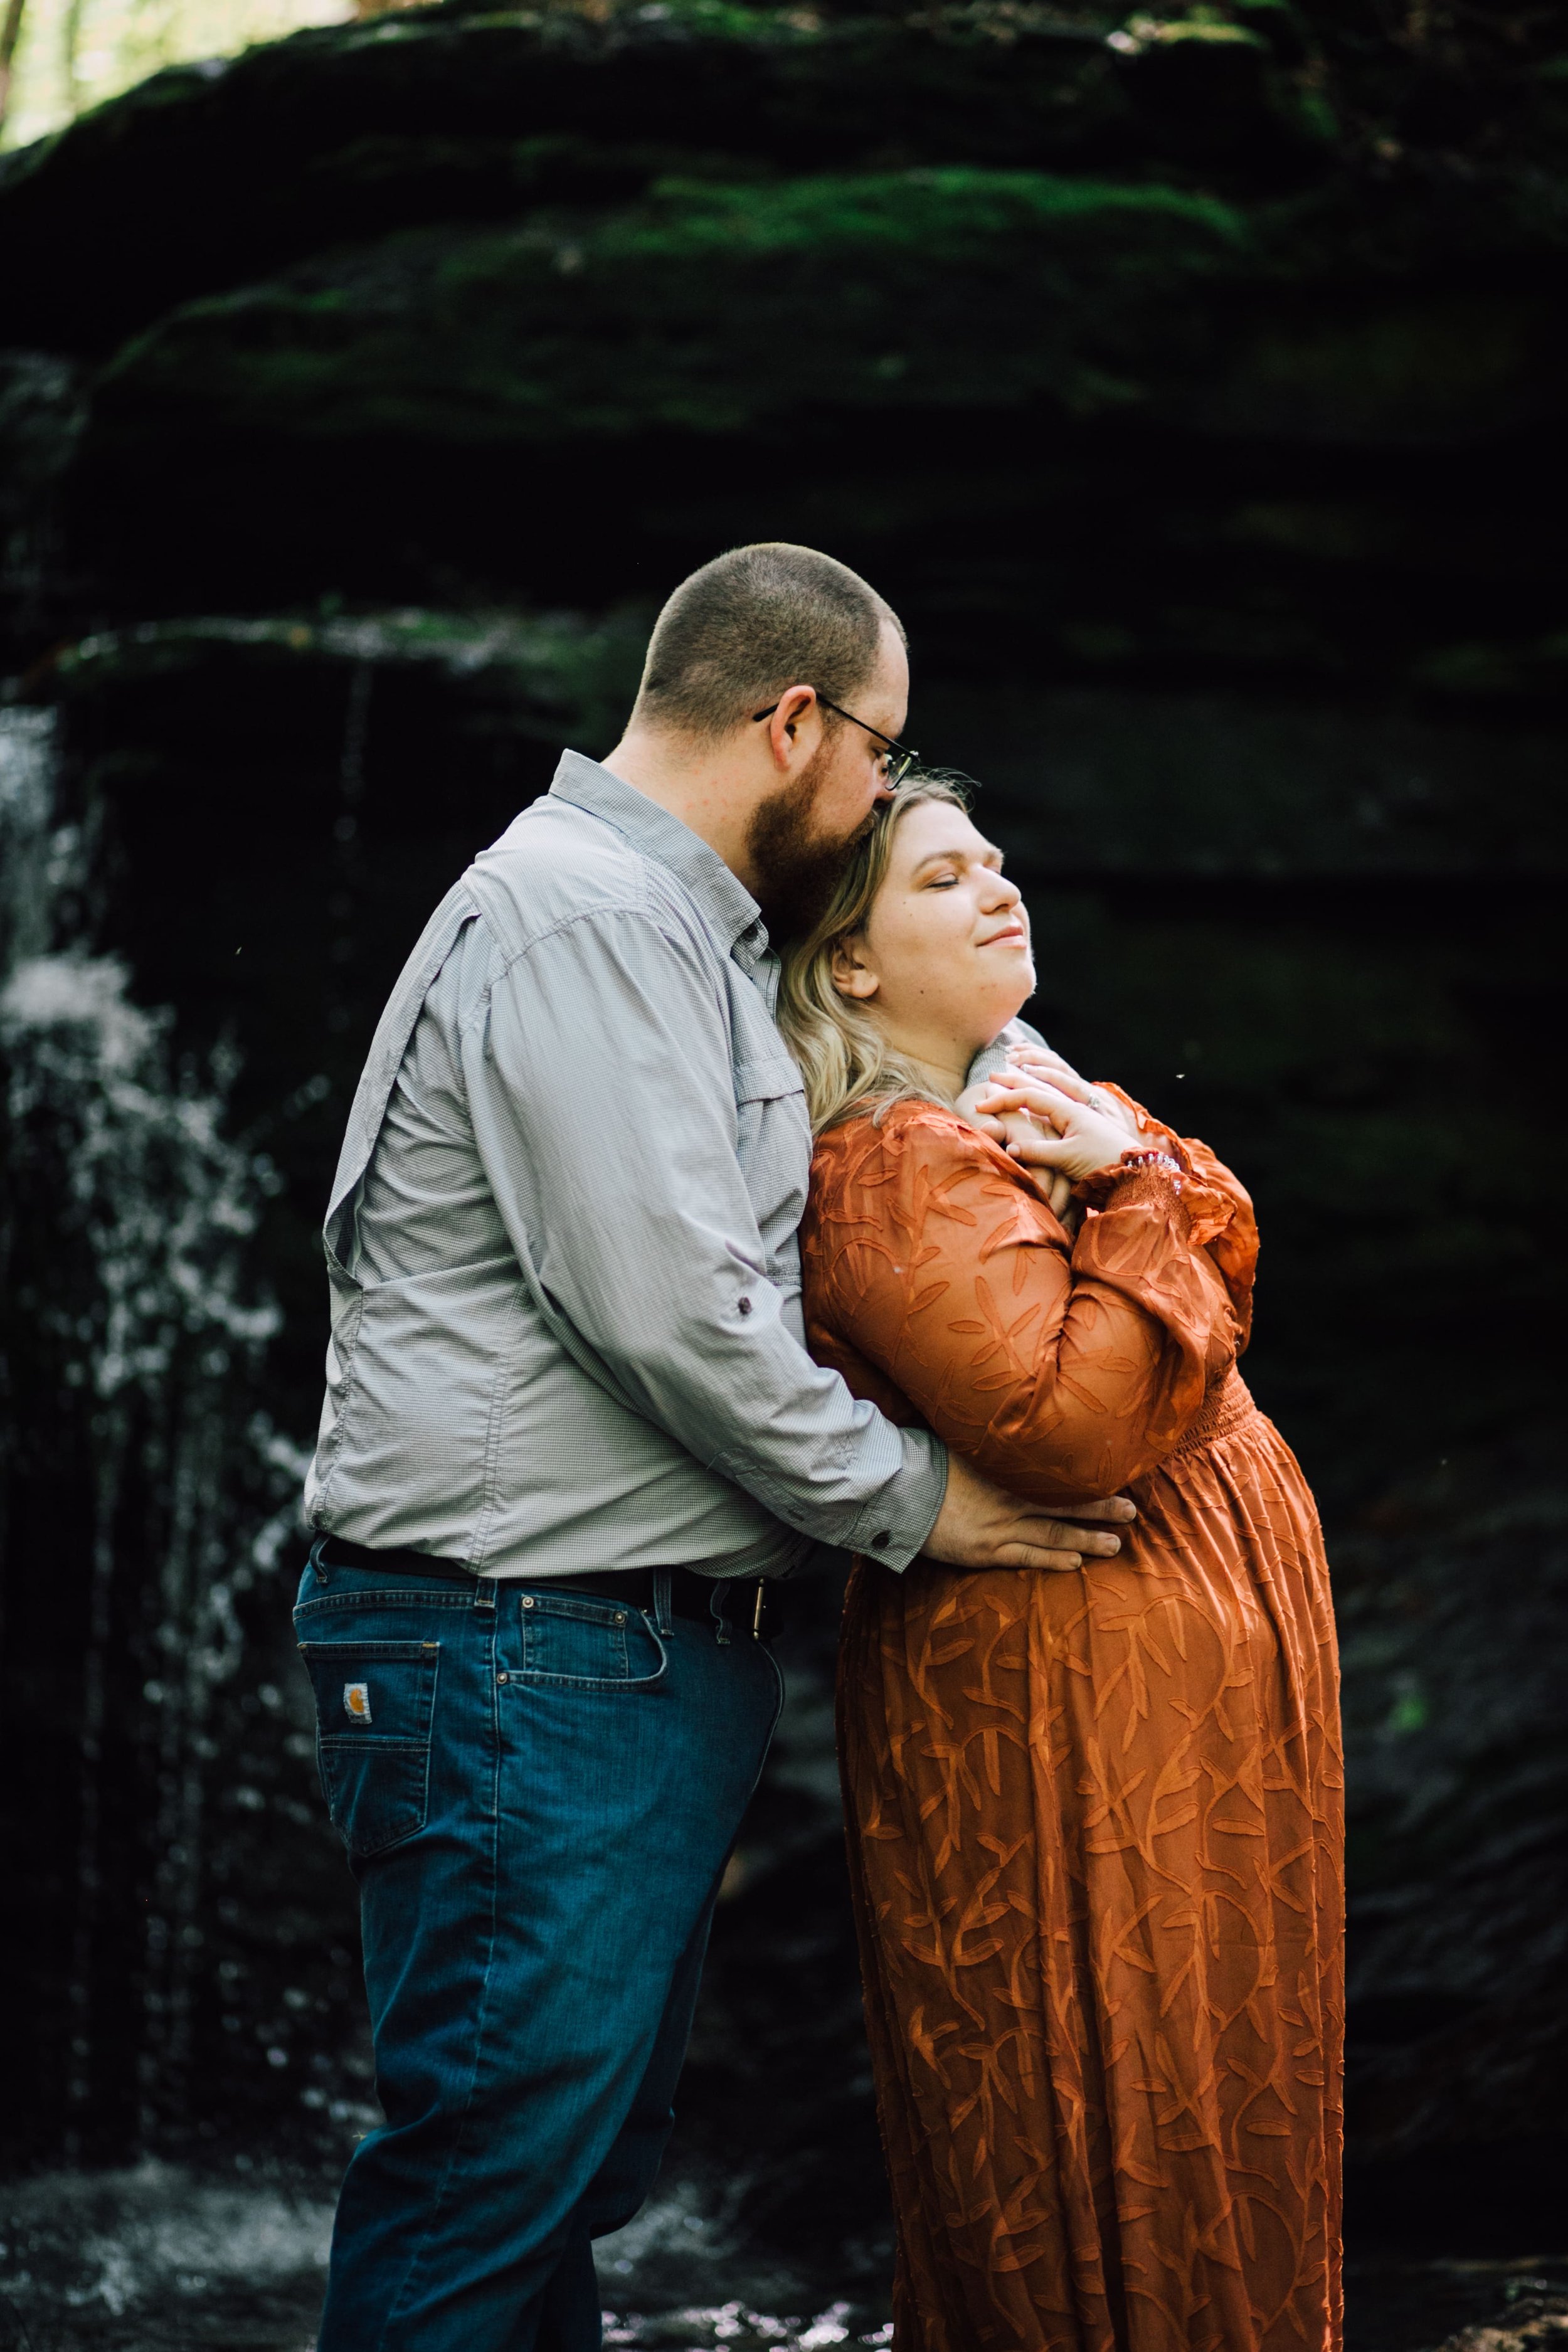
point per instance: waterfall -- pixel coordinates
(192, 1969)
(143, 1493)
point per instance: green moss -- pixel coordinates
(714, 307)
(1493, 671)
(927, 210)
(1403, 369)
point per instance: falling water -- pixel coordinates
(136, 1331)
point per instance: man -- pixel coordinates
(571, 1430)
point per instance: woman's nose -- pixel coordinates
(1002, 894)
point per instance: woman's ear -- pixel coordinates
(850, 976)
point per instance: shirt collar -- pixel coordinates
(726, 905)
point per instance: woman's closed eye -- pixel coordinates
(949, 876)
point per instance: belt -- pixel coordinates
(690, 1595)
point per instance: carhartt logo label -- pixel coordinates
(356, 1701)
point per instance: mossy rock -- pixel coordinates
(213, 173)
(709, 309)
(209, 174)
(1030, 311)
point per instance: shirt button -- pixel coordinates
(745, 1305)
(881, 1542)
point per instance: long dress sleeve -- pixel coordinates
(938, 1279)
(1223, 1220)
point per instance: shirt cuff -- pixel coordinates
(894, 1527)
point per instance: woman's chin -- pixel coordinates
(1007, 999)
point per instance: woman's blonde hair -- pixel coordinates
(844, 1058)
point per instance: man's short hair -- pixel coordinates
(752, 623)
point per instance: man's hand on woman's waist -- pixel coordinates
(982, 1525)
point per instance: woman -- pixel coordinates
(1095, 1817)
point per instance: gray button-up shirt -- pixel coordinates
(566, 1321)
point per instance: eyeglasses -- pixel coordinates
(897, 759)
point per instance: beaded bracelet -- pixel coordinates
(1136, 1164)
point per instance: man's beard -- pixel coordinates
(796, 868)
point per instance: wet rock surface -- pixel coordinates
(158, 2259)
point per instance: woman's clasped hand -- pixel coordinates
(1051, 1122)
(1046, 1128)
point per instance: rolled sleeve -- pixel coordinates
(600, 1086)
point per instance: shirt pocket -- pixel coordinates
(376, 1707)
(772, 1141)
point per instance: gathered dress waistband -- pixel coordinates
(1223, 1411)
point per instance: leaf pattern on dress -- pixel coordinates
(1096, 1820)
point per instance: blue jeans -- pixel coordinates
(538, 1792)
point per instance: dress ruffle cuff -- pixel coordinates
(1210, 1211)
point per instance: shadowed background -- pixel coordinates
(1194, 388)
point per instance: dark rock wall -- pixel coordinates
(1194, 387)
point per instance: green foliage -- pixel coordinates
(76, 54)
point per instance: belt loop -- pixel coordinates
(322, 1572)
(662, 1609)
(485, 1593)
(716, 1610)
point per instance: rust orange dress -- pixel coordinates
(1095, 1819)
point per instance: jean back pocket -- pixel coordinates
(376, 1704)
